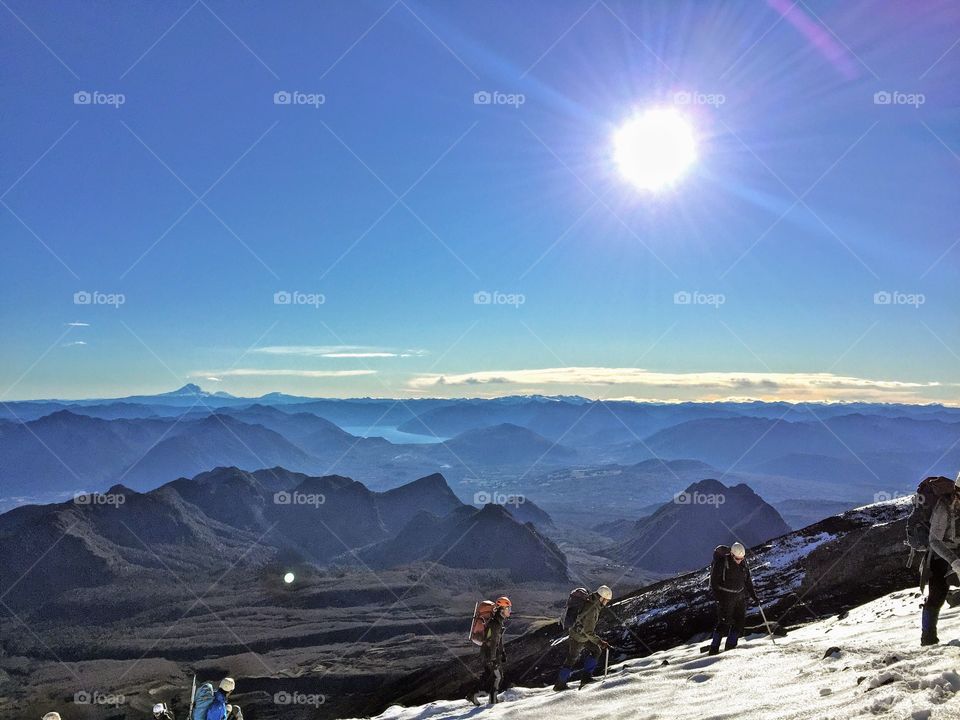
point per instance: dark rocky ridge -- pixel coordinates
(201, 526)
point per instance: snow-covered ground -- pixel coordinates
(880, 670)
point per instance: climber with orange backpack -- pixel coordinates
(489, 619)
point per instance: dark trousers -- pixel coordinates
(492, 672)
(941, 577)
(731, 615)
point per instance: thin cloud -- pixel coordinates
(78, 324)
(339, 351)
(260, 372)
(75, 342)
(213, 379)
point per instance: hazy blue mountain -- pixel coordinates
(313, 434)
(489, 537)
(504, 444)
(683, 533)
(431, 493)
(217, 440)
(576, 421)
(66, 451)
(749, 441)
(457, 417)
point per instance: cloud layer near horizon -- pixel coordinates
(761, 385)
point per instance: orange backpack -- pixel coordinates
(482, 613)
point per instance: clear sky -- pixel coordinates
(181, 194)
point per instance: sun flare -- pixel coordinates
(654, 148)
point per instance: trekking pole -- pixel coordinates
(193, 695)
(769, 629)
(606, 665)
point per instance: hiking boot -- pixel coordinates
(713, 651)
(586, 680)
(928, 626)
(561, 686)
(953, 598)
(493, 699)
(472, 697)
(715, 642)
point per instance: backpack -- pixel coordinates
(720, 555)
(575, 602)
(482, 612)
(202, 701)
(929, 492)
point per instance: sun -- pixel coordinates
(654, 148)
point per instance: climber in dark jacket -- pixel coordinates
(942, 564)
(731, 584)
(582, 637)
(492, 653)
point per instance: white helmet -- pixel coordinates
(738, 550)
(159, 709)
(227, 684)
(52, 716)
(605, 592)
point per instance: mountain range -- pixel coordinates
(207, 523)
(843, 452)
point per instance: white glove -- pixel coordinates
(955, 566)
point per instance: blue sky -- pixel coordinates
(398, 198)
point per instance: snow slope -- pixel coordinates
(880, 670)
